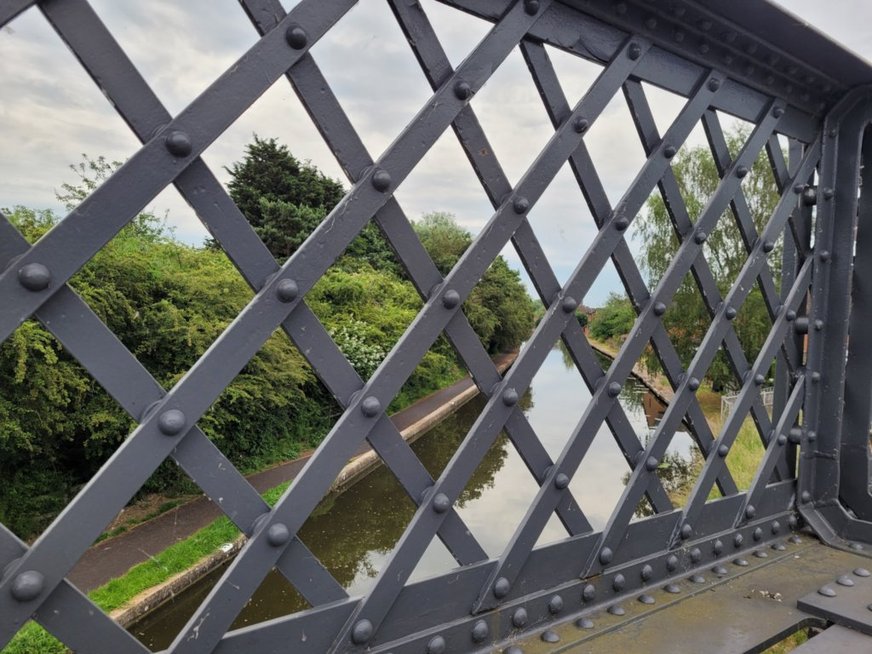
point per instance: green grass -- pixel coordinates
(33, 639)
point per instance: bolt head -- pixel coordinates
(480, 631)
(441, 503)
(510, 397)
(178, 143)
(501, 587)
(619, 582)
(27, 586)
(462, 90)
(561, 481)
(370, 407)
(278, 534)
(171, 422)
(569, 304)
(361, 632)
(580, 124)
(555, 605)
(520, 204)
(296, 37)
(381, 180)
(451, 299)
(519, 617)
(287, 290)
(34, 277)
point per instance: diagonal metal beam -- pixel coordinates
(430, 55)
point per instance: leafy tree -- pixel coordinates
(613, 320)
(285, 200)
(687, 319)
(498, 308)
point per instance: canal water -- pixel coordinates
(353, 533)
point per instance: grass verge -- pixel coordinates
(33, 639)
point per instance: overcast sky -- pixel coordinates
(51, 112)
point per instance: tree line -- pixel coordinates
(168, 301)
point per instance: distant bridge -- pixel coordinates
(786, 554)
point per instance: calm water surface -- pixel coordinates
(354, 533)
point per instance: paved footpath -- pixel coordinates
(113, 557)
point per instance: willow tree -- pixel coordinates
(687, 318)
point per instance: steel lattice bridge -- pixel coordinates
(804, 525)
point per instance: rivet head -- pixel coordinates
(759, 379)
(501, 587)
(738, 539)
(730, 313)
(381, 180)
(809, 196)
(758, 534)
(27, 586)
(671, 562)
(742, 563)
(792, 521)
(462, 90)
(550, 636)
(510, 397)
(580, 124)
(531, 7)
(826, 591)
(622, 223)
(824, 255)
(178, 143)
(520, 204)
(619, 582)
(776, 527)
(723, 450)
(778, 112)
(695, 555)
(720, 570)
(828, 194)
(861, 572)
(768, 246)
(718, 546)
(451, 299)
(674, 589)
(761, 554)
(555, 605)
(614, 389)
(651, 463)
(606, 555)
(647, 572)
(34, 277)
(370, 407)
(519, 617)
(441, 503)
(617, 609)
(171, 422)
(287, 290)
(669, 151)
(361, 632)
(750, 511)
(561, 481)
(659, 308)
(714, 84)
(588, 594)
(686, 531)
(569, 304)
(278, 534)
(811, 435)
(296, 37)
(779, 547)
(693, 384)
(741, 171)
(790, 316)
(699, 237)
(815, 377)
(436, 645)
(480, 631)
(805, 496)
(697, 579)
(781, 440)
(634, 51)
(845, 580)
(818, 325)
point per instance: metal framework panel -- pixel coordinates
(720, 66)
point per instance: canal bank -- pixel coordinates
(113, 557)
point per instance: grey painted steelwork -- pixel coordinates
(756, 64)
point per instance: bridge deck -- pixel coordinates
(747, 610)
